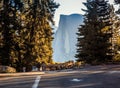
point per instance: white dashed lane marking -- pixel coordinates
(37, 80)
(76, 80)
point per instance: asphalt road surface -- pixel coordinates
(93, 77)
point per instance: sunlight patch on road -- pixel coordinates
(113, 72)
(95, 72)
(37, 80)
(88, 85)
(71, 72)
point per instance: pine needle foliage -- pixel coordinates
(94, 35)
(26, 32)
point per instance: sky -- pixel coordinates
(68, 7)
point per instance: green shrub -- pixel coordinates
(7, 69)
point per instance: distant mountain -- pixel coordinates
(65, 37)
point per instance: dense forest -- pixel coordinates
(26, 32)
(98, 39)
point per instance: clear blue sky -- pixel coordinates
(68, 7)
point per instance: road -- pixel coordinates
(94, 77)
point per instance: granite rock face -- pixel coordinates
(65, 38)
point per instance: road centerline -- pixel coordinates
(37, 80)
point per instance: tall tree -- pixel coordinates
(116, 34)
(118, 2)
(38, 16)
(25, 32)
(93, 42)
(8, 26)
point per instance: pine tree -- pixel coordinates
(117, 2)
(38, 38)
(103, 11)
(8, 27)
(116, 37)
(25, 32)
(93, 42)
